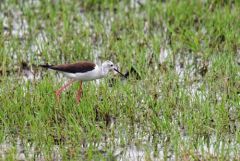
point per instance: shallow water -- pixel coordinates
(142, 147)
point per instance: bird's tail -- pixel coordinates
(45, 66)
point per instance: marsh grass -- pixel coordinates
(184, 107)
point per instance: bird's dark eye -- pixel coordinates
(111, 65)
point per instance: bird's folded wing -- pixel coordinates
(79, 67)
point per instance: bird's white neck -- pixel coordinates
(104, 71)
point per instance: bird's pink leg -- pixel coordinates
(59, 91)
(79, 93)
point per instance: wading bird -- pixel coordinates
(81, 71)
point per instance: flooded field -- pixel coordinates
(180, 99)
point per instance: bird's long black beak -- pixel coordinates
(119, 72)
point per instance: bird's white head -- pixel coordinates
(108, 66)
